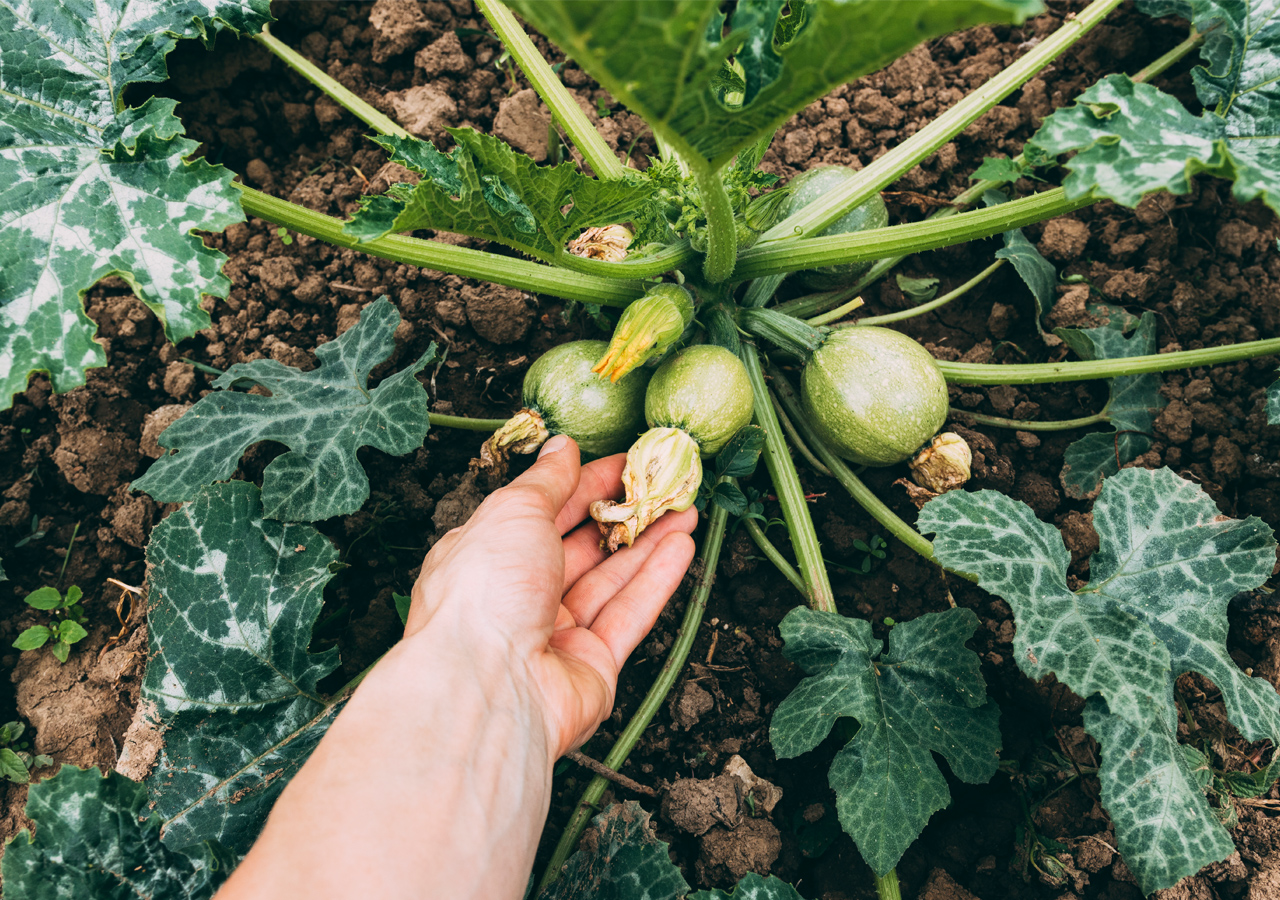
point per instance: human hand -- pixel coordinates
(525, 586)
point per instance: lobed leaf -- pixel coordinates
(1036, 272)
(621, 860)
(1167, 565)
(925, 695)
(485, 189)
(324, 416)
(752, 887)
(665, 59)
(95, 838)
(1132, 408)
(89, 188)
(233, 599)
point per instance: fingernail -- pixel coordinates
(555, 445)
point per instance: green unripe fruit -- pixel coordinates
(602, 416)
(704, 391)
(816, 183)
(873, 394)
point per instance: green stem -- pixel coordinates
(517, 273)
(379, 122)
(774, 555)
(672, 256)
(787, 398)
(786, 484)
(935, 302)
(900, 240)
(1030, 424)
(887, 887)
(653, 700)
(1158, 66)
(836, 314)
(553, 93)
(904, 157)
(440, 421)
(722, 231)
(796, 440)
(1046, 373)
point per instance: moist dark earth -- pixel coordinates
(1206, 266)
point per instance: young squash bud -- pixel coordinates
(943, 465)
(647, 330)
(663, 472)
(609, 243)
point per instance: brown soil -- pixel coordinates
(1204, 264)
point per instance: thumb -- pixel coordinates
(551, 481)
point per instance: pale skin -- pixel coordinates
(435, 779)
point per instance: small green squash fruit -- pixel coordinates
(815, 183)
(704, 391)
(873, 394)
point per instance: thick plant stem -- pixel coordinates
(516, 273)
(904, 157)
(547, 83)
(710, 556)
(796, 440)
(1047, 373)
(722, 231)
(936, 302)
(836, 314)
(1030, 424)
(672, 256)
(790, 402)
(887, 887)
(379, 122)
(900, 240)
(774, 555)
(464, 423)
(786, 484)
(1158, 66)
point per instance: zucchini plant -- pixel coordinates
(695, 249)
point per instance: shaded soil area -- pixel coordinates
(1206, 266)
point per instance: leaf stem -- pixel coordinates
(672, 256)
(549, 87)
(836, 314)
(787, 398)
(887, 887)
(904, 157)
(900, 240)
(464, 423)
(786, 484)
(710, 556)
(936, 302)
(796, 440)
(1030, 424)
(722, 231)
(1159, 65)
(774, 555)
(1052, 373)
(379, 122)
(517, 273)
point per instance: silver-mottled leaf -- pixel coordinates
(324, 416)
(1273, 403)
(752, 887)
(233, 599)
(620, 860)
(925, 695)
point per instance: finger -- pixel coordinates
(627, 618)
(543, 489)
(598, 582)
(601, 479)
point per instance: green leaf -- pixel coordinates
(1134, 403)
(664, 59)
(33, 637)
(483, 188)
(61, 650)
(620, 860)
(73, 596)
(917, 290)
(1004, 170)
(324, 416)
(70, 631)
(1273, 408)
(12, 767)
(730, 499)
(1134, 138)
(1036, 272)
(403, 602)
(233, 600)
(752, 887)
(739, 457)
(95, 838)
(89, 188)
(1167, 565)
(925, 695)
(44, 598)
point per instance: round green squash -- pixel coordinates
(602, 416)
(874, 394)
(815, 183)
(704, 391)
